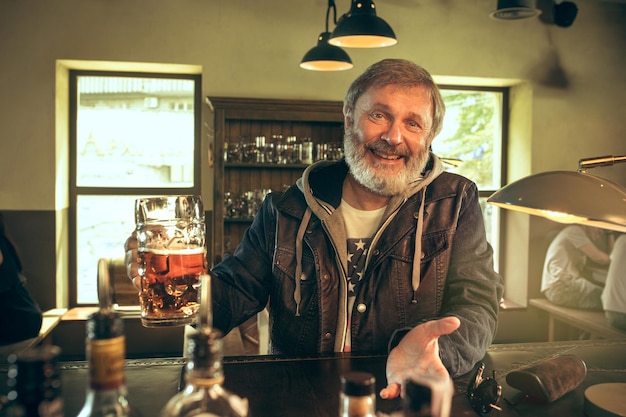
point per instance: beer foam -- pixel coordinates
(182, 251)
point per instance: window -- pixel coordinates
(131, 134)
(472, 144)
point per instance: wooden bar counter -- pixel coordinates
(309, 387)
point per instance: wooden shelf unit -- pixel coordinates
(244, 119)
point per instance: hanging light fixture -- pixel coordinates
(324, 56)
(515, 10)
(362, 28)
(568, 196)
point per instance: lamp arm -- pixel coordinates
(599, 161)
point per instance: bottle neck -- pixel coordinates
(204, 364)
(203, 381)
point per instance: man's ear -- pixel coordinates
(347, 121)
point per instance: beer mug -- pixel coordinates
(172, 255)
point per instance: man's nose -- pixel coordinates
(394, 135)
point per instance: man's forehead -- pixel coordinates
(412, 98)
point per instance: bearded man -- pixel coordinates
(380, 252)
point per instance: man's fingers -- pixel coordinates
(390, 391)
(439, 327)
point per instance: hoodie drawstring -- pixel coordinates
(417, 255)
(297, 295)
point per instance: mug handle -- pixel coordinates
(104, 285)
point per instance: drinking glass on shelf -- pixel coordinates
(171, 237)
(233, 152)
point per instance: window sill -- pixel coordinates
(511, 305)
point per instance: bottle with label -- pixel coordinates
(107, 394)
(358, 395)
(202, 393)
(34, 383)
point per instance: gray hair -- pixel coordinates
(401, 73)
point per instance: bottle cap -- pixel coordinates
(358, 384)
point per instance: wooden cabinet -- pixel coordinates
(245, 171)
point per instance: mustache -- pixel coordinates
(383, 146)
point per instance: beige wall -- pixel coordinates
(251, 48)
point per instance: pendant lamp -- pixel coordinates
(515, 10)
(362, 28)
(324, 56)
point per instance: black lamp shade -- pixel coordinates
(326, 57)
(515, 10)
(361, 28)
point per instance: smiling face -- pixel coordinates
(387, 137)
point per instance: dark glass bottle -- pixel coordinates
(358, 395)
(107, 395)
(34, 383)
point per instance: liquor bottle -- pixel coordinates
(358, 395)
(107, 394)
(34, 383)
(203, 375)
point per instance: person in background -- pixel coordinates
(564, 281)
(614, 292)
(379, 252)
(20, 315)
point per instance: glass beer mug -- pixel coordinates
(171, 236)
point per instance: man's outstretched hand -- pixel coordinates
(418, 351)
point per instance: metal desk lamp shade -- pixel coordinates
(362, 28)
(326, 57)
(515, 10)
(569, 197)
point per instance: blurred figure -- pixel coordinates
(20, 315)
(614, 293)
(564, 282)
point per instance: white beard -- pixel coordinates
(370, 176)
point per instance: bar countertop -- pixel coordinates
(278, 386)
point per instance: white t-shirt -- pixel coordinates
(614, 293)
(564, 259)
(361, 225)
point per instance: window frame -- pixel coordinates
(75, 191)
(499, 249)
